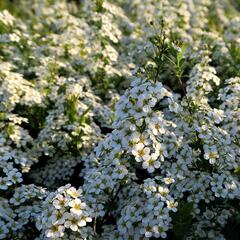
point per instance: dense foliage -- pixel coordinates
(120, 119)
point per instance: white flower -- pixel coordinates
(211, 154)
(163, 192)
(74, 222)
(55, 231)
(140, 138)
(73, 192)
(57, 217)
(60, 201)
(141, 153)
(3, 183)
(150, 164)
(156, 126)
(15, 176)
(174, 106)
(168, 180)
(171, 204)
(77, 206)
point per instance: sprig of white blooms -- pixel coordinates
(63, 210)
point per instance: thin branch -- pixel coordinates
(111, 203)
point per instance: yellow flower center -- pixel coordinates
(141, 153)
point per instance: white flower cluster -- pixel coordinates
(21, 210)
(63, 210)
(10, 175)
(119, 119)
(53, 108)
(179, 141)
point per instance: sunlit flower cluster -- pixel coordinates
(176, 141)
(63, 210)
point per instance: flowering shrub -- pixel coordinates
(119, 119)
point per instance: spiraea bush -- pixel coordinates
(119, 119)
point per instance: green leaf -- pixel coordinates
(10, 129)
(72, 108)
(182, 221)
(237, 170)
(99, 5)
(2, 116)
